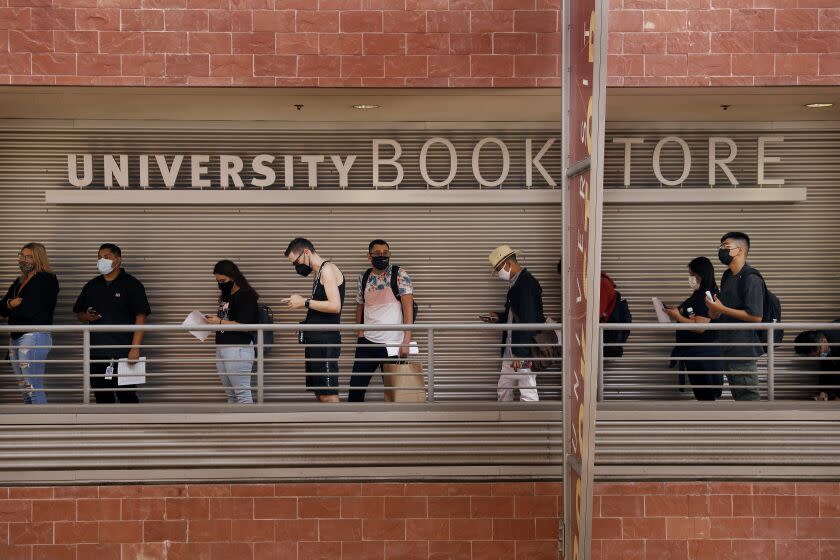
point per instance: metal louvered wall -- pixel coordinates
(646, 247)
(172, 250)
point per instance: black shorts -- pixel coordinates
(322, 363)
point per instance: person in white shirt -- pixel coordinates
(385, 297)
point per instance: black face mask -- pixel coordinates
(380, 263)
(226, 287)
(302, 269)
(724, 256)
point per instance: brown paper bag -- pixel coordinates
(404, 377)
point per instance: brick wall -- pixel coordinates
(717, 521)
(407, 43)
(440, 521)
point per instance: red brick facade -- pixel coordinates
(406, 521)
(408, 43)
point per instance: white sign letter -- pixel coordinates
(230, 167)
(144, 171)
(260, 165)
(535, 162)
(197, 169)
(312, 162)
(453, 162)
(343, 168)
(657, 170)
(170, 175)
(762, 159)
(87, 170)
(377, 161)
(628, 146)
(112, 170)
(505, 162)
(288, 171)
(713, 161)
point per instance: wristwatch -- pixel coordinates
(306, 302)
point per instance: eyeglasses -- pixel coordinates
(26, 257)
(727, 247)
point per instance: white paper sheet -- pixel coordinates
(131, 374)
(195, 319)
(659, 307)
(395, 350)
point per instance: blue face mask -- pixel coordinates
(105, 266)
(826, 354)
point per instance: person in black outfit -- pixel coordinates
(115, 297)
(30, 301)
(824, 345)
(705, 372)
(235, 349)
(523, 305)
(322, 308)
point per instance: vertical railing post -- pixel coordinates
(86, 366)
(771, 364)
(260, 365)
(600, 364)
(431, 364)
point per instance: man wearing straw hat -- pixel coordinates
(523, 305)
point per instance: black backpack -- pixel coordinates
(265, 316)
(620, 314)
(772, 309)
(395, 270)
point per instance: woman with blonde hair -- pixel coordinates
(30, 301)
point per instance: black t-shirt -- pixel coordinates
(38, 305)
(749, 298)
(119, 302)
(242, 308)
(697, 302)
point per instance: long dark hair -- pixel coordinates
(702, 267)
(229, 269)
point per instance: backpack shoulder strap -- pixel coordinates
(395, 276)
(365, 278)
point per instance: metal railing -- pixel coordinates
(459, 361)
(650, 370)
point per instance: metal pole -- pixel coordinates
(600, 365)
(260, 365)
(86, 366)
(771, 364)
(431, 346)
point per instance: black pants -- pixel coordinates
(704, 378)
(322, 362)
(103, 388)
(378, 356)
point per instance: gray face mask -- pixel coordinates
(26, 267)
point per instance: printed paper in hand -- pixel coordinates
(660, 311)
(195, 319)
(395, 350)
(131, 374)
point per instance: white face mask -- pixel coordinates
(692, 281)
(105, 266)
(504, 274)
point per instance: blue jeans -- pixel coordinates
(234, 366)
(28, 365)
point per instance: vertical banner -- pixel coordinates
(584, 92)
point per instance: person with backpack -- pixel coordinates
(323, 307)
(385, 297)
(234, 349)
(741, 301)
(523, 305)
(697, 353)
